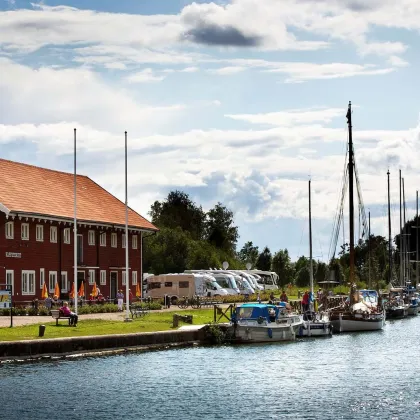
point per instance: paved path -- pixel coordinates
(112, 316)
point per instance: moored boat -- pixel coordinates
(315, 324)
(260, 322)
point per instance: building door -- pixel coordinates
(113, 284)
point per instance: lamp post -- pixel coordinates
(127, 278)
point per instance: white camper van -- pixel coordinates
(226, 281)
(179, 285)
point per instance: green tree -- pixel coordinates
(264, 260)
(220, 228)
(281, 264)
(302, 277)
(321, 272)
(249, 253)
(179, 211)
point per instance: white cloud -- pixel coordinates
(226, 71)
(189, 70)
(144, 76)
(73, 95)
(397, 61)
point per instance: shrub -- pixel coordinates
(32, 311)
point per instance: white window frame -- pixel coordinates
(11, 274)
(64, 281)
(102, 280)
(114, 240)
(53, 234)
(91, 277)
(91, 237)
(123, 240)
(40, 233)
(66, 235)
(10, 230)
(102, 239)
(54, 274)
(41, 278)
(24, 231)
(30, 283)
(134, 241)
(134, 278)
(123, 278)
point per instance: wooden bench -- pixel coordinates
(55, 313)
(137, 311)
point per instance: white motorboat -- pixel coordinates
(260, 323)
(315, 324)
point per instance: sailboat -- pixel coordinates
(314, 323)
(355, 314)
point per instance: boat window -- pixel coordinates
(245, 313)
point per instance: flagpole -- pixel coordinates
(75, 229)
(127, 278)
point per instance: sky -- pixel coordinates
(239, 102)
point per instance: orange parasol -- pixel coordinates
(138, 291)
(82, 290)
(71, 294)
(94, 290)
(57, 291)
(44, 293)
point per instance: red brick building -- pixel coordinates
(37, 239)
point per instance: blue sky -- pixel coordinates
(235, 101)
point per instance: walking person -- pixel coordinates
(120, 300)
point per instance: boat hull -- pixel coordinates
(413, 310)
(351, 323)
(315, 329)
(266, 333)
(397, 313)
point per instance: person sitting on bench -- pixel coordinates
(65, 310)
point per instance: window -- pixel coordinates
(53, 234)
(64, 283)
(39, 233)
(134, 242)
(134, 277)
(66, 234)
(153, 285)
(52, 281)
(24, 230)
(184, 284)
(124, 278)
(123, 240)
(10, 277)
(91, 237)
(103, 277)
(168, 284)
(28, 282)
(102, 239)
(91, 276)
(41, 277)
(79, 249)
(114, 240)
(9, 230)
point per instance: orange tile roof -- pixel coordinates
(30, 189)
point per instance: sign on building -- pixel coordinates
(13, 255)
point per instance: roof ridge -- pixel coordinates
(40, 167)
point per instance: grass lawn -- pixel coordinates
(158, 321)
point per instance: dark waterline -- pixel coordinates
(372, 375)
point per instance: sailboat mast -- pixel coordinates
(369, 282)
(401, 239)
(404, 239)
(351, 198)
(389, 233)
(417, 237)
(311, 271)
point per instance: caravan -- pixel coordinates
(180, 285)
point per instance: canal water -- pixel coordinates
(372, 375)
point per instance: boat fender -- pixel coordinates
(260, 319)
(270, 333)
